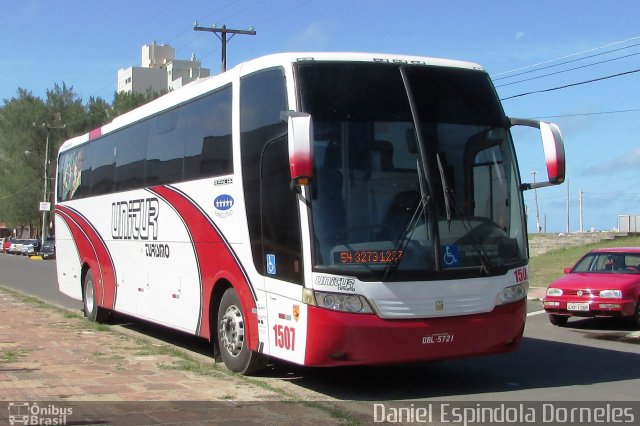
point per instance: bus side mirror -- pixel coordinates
(300, 147)
(553, 151)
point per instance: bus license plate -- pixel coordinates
(577, 306)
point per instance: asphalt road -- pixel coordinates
(588, 360)
(34, 277)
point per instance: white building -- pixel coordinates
(181, 72)
(160, 71)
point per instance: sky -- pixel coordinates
(83, 43)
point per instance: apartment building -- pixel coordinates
(160, 71)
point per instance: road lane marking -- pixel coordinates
(530, 314)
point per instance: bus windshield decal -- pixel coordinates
(367, 256)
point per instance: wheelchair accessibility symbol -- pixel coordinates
(450, 255)
(271, 264)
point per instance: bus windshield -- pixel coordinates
(415, 172)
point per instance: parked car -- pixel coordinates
(6, 244)
(48, 250)
(16, 246)
(603, 283)
(30, 247)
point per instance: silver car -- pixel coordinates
(30, 247)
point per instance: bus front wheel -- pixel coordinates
(92, 311)
(232, 337)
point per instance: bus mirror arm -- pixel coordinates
(300, 145)
(553, 151)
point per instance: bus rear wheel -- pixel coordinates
(92, 311)
(232, 337)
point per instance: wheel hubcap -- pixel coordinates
(89, 297)
(232, 330)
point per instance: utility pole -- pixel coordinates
(581, 214)
(568, 205)
(224, 31)
(535, 200)
(45, 195)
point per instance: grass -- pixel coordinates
(547, 267)
(11, 356)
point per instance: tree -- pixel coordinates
(97, 110)
(124, 102)
(22, 154)
(25, 123)
(64, 109)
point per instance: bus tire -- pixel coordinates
(92, 311)
(231, 337)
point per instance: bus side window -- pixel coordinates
(208, 149)
(166, 148)
(131, 157)
(103, 165)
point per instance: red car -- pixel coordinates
(604, 283)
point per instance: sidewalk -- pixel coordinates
(52, 356)
(47, 355)
(536, 293)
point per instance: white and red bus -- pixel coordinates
(328, 209)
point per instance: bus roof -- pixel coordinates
(205, 85)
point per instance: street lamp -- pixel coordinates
(535, 198)
(45, 197)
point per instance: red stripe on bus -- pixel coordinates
(95, 133)
(216, 262)
(93, 251)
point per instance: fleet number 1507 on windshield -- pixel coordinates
(368, 256)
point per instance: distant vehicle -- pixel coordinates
(31, 247)
(16, 247)
(6, 244)
(48, 250)
(604, 283)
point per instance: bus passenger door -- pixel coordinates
(282, 251)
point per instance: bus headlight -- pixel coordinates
(512, 294)
(353, 303)
(611, 294)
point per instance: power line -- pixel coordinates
(566, 56)
(27, 187)
(223, 38)
(566, 62)
(569, 69)
(206, 55)
(572, 84)
(277, 15)
(589, 113)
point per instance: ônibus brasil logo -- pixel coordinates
(27, 413)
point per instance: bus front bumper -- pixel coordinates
(338, 338)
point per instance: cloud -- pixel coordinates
(313, 37)
(519, 35)
(623, 163)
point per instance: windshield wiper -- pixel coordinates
(446, 191)
(450, 201)
(423, 166)
(405, 236)
(411, 223)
